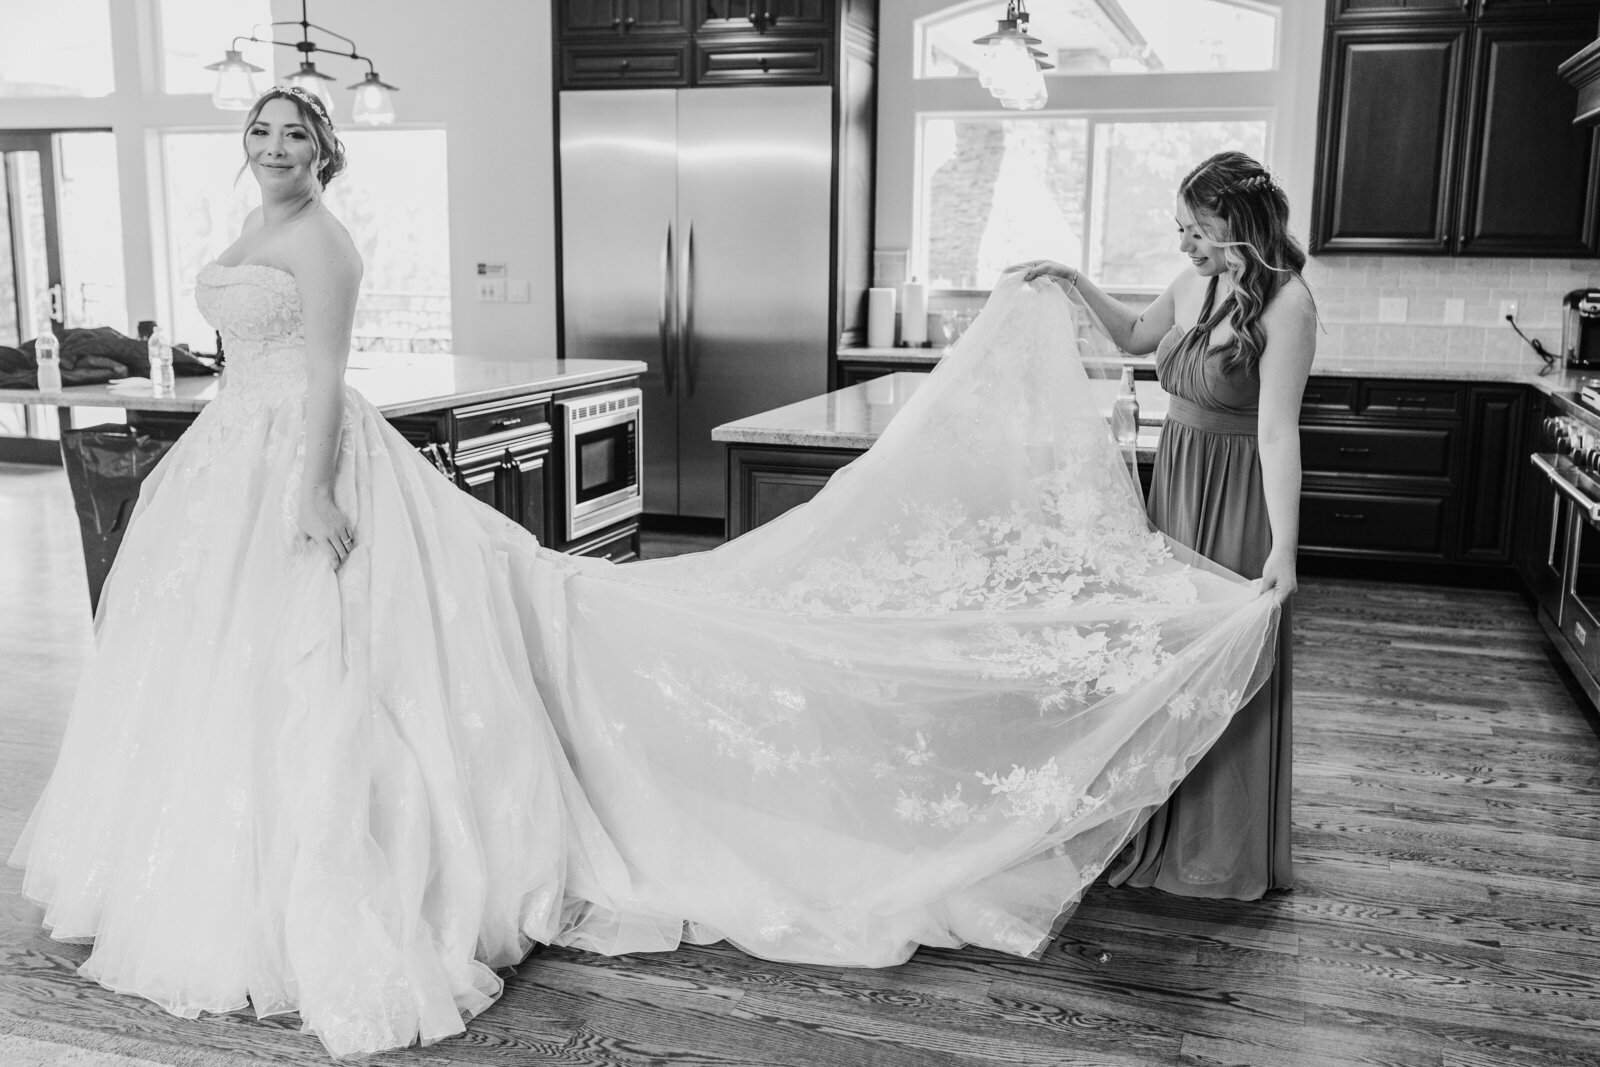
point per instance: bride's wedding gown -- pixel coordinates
(924, 709)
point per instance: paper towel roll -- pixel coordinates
(914, 314)
(880, 318)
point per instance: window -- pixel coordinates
(1087, 191)
(195, 32)
(60, 48)
(392, 198)
(1111, 36)
(1090, 180)
(93, 285)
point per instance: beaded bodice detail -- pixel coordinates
(257, 310)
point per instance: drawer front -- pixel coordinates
(1357, 523)
(652, 66)
(1396, 453)
(501, 422)
(757, 62)
(1328, 396)
(1399, 398)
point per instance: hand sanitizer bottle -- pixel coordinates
(47, 355)
(1125, 411)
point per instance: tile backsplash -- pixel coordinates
(1435, 312)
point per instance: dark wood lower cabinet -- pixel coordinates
(764, 481)
(1412, 471)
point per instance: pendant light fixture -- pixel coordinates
(1011, 68)
(236, 88)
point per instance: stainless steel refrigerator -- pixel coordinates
(696, 228)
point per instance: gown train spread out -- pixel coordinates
(926, 708)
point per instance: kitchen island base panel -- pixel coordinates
(766, 481)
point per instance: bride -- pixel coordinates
(350, 741)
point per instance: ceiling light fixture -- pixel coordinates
(1011, 68)
(236, 87)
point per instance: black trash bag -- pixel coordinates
(105, 467)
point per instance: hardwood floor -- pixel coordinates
(1447, 912)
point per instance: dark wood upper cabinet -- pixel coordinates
(1529, 174)
(1356, 10)
(1445, 129)
(1389, 103)
(601, 19)
(766, 16)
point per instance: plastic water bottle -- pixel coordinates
(47, 354)
(160, 361)
(1125, 411)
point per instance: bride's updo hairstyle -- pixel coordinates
(330, 150)
(1239, 207)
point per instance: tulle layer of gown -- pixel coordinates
(924, 709)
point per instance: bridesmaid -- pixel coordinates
(1234, 340)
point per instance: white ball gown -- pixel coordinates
(926, 708)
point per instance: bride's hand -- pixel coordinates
(327, 528)
(1041, 268)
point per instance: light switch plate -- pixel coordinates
(1392, 308)
(1455, 311)
(491, 290)
(518, 290)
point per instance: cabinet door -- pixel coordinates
(482, 479)
(1528, 174)
(524, 487)
(1387, 140)
(766, 16)
(1348, 10)
(590, 18)
(621, 18)
(1497, 455)
(1526, 9)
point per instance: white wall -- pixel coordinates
(481, 69)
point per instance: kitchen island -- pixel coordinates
(781, 458)
(491, 425)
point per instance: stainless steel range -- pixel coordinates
(1560, 561)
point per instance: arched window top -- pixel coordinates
(1110, 36)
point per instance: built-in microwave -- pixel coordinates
(602, 465)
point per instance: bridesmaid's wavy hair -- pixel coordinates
(1240, 208)
(330, 150)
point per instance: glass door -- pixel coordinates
(30, 259)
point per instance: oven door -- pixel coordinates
(1579, 615)
(1543, 556)
(602, 470)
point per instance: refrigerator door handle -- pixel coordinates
(664, 309)
(687, 305)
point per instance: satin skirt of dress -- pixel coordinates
(1226, 830)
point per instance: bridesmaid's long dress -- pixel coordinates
(1225, 831)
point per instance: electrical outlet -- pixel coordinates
(1508, 310)
(1392, 308)
(1455, 311)
(491, 290)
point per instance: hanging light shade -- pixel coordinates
(1010, 69)
(236, 83)
(373, 105)
(236, 89)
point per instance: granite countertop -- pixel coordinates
(1521, 372)
(396, 384)
(852, 418)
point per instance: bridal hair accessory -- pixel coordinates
(309, 98)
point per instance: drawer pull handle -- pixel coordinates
(1352, 450)
(1410, 400)
(1312, 398)
(1350, 516)
(507, 423)
(624, 65)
